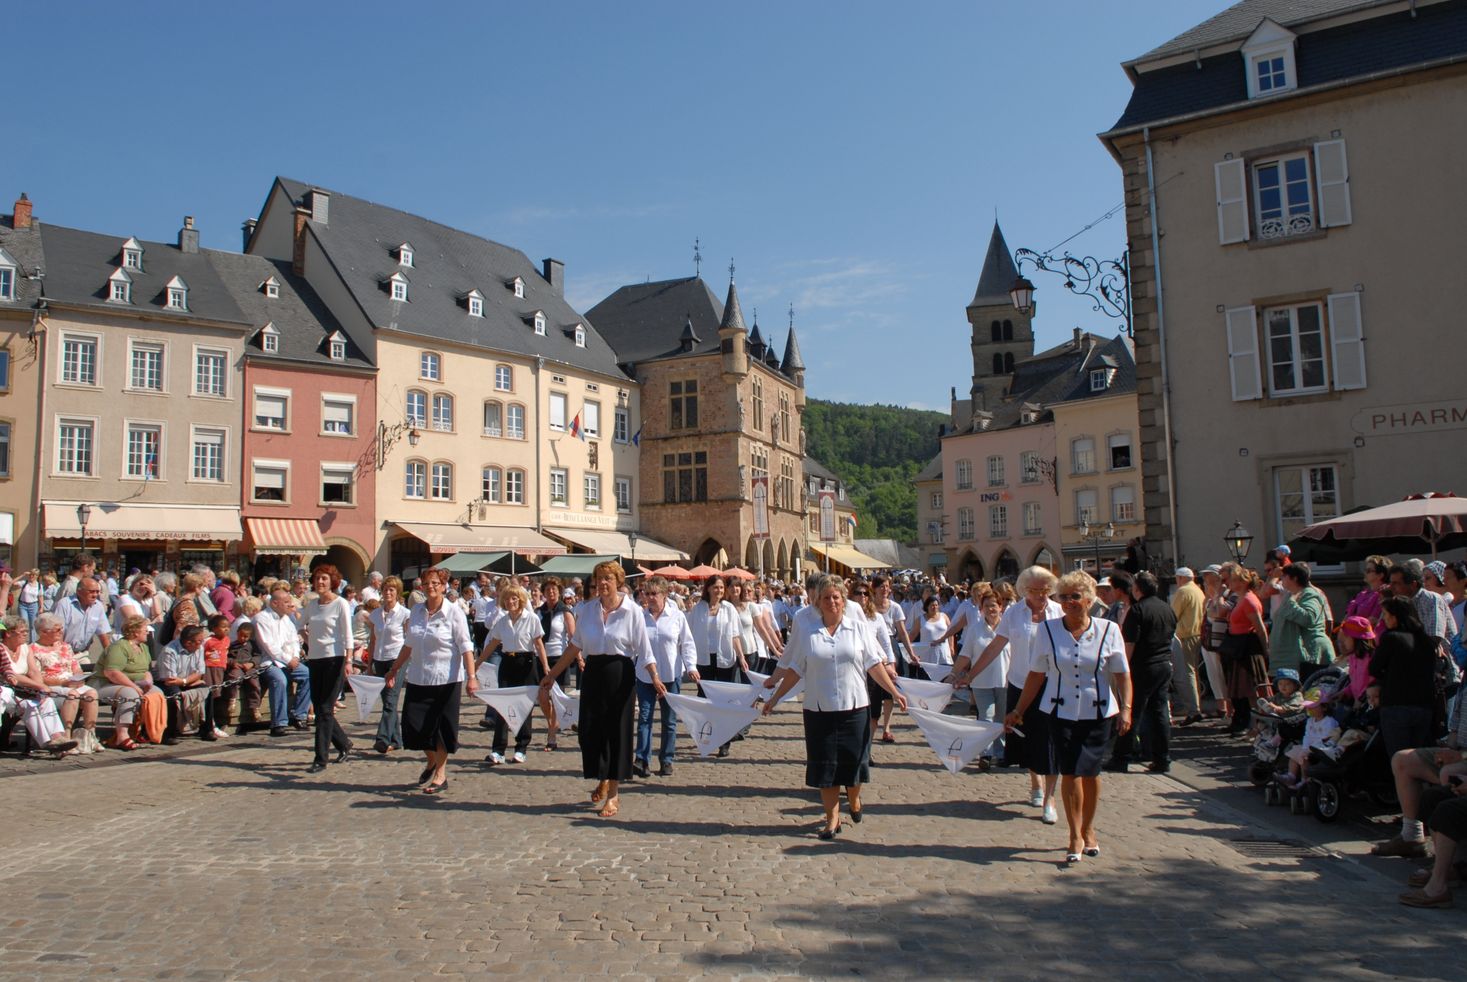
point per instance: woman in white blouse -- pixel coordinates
(717, 633)
(517, 634)
(327, 622)
(611, 631)
(388, 623)
(1079, 666)
(1015, 632)
(834, 654)
(990, 699)
(439, 654)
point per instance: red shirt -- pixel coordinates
(216, 652)
(1240, 621)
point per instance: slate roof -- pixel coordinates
(1241, 19)
(1392, 42)
(932, 472)
(642, 321)
(814, 468)
(303, 320)
(792, 361)
(78, 264)
(24, 246)
(361, 237)
(1061, 374)
(999, 273)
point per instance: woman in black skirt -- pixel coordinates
(834, 653)
(1079, 664)
(611, 632)
(438, 650)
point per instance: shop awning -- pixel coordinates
(607, 542)
(110, 520)
(482, 538)
(286, 536)
(849, 558)
(578, 565)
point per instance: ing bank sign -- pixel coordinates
(1413, 417)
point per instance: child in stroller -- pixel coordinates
(1321, 740)
(1277, 723)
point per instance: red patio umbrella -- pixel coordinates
(702, 572)
(735, 573)
(1434, 520)
(671, 572)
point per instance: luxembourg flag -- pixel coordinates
(576, 429)
(851, 520)
(150, 466)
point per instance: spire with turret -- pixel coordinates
(793, 365)
(1001, 335)
(732, 335)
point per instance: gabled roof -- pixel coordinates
(301, 319)
(79, 265)
(360, 238)
(814, 468)
(932, 472)
(1061, 375)
(646, 320)
(1240, 20)
(24, 246)
(1392, 42)
(999, 273)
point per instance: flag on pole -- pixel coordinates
(955, 740)
(637, 437)
(150, 465)
(851, 520)
(710, 725)
(576, 430)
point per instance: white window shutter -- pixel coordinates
(1232, 201)
(1347, 340)
(1243, 354)
(1333, 172)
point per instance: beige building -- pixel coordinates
(1293, 208)
(140, 405)
(22, 357)
(932, 519)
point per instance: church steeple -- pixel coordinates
(732, 339)
(793, 365)
(1001, 335)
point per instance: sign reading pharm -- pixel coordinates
(1411, 417)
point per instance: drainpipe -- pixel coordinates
(38, 515)
(1166, 387)
(539, 474)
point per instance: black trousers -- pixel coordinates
(1150, 683)
(327, 677)
(606, 717)
(516, 668)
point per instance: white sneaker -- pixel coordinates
(220, 734)
(518, 758)
(1050, 815)
(496, 758)
(1036, 798)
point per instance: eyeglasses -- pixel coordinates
(860, 593)
(1069, 598)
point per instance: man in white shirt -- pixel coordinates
(84, 618)
(279, 643)
(373, 589)
(677, 657)
(484, 610)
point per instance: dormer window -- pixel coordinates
(271, 288)
(1269, 57)
(405, 255)
(580, 336)
(8, 269)
(269, 339)
(518, 286)
(177, 294)
(539, 323)
(338, 346)
(132, 255)
(1099, 379)
(119, 287)
(475, 303)
(397, 286)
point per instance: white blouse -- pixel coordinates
(672, 646)
(387, 628)
(1018, 625)
(623, 633)
(1077, 684)
(834, 667)
(976, 637)
(555, 639)
(437, 644)
(714, 635)
(516, 636)
(880, 632)
(328, 626)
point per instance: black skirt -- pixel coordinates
(1031, 750)
(1080, 746)
(606, 717)
(430, 716)
(837, 748)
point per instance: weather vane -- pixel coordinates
(730, 270)
(697, 258)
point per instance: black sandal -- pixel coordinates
(436, 788)
(427, 773)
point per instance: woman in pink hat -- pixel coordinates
(1357, 644)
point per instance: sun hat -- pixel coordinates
(1358, 628)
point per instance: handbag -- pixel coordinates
(86, 741)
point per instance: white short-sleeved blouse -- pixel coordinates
(1078, 670)
(438, 642)
(834, 667)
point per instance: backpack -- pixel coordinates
(166, 631)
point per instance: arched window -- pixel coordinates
(493, 419)
(492, 483)
(997, 364)
(443, 412)
(514, 487)
(442, 487)
(1008, 330)
(1008, 362)
(996, 330)
(415, 480)
(417, 407)
(514, 422)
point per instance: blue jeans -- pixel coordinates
(389, 727)
(646, 699)
(29, 613)
(989, 705)
(276, 682)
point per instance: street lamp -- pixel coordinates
(632, 538)
(1238, 541)
(83, 516)
(1106, 282)
(387, 437)
(1095, 537)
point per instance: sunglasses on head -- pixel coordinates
(1066, 598)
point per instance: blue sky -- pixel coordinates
(849, 157)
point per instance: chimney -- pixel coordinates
(319, 202)
(298, 252)
(1077, 337)
(188, 236)
(248, 228)
(22, 216)
(555, 275)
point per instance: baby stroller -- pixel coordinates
(1362, 767)
(1277, 732)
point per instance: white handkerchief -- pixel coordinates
(756, 682)
(367, 689)
(567, 706)
(514, 704)
(736, 694)
(956, 741)
(931, 696)
(709, 724)
(488, 675)
(936, 671)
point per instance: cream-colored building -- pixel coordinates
(1292, 180)
(931, 516)
(22, 328)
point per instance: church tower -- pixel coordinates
(1001, 335)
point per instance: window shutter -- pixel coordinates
(1347, 338)
(1334, 183)
(1232, 201)
(1243, 354)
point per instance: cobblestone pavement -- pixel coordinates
(237, 864)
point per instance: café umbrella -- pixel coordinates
(1430, 522)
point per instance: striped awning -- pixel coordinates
(286, 536)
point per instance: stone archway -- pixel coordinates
(1005, 565)
(768, 566)
(782, 562)
(348, 558)
(710, 553)
(1045, 556)
(751, 554)
(970, 567)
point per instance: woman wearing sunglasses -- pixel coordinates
(1079, 675)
